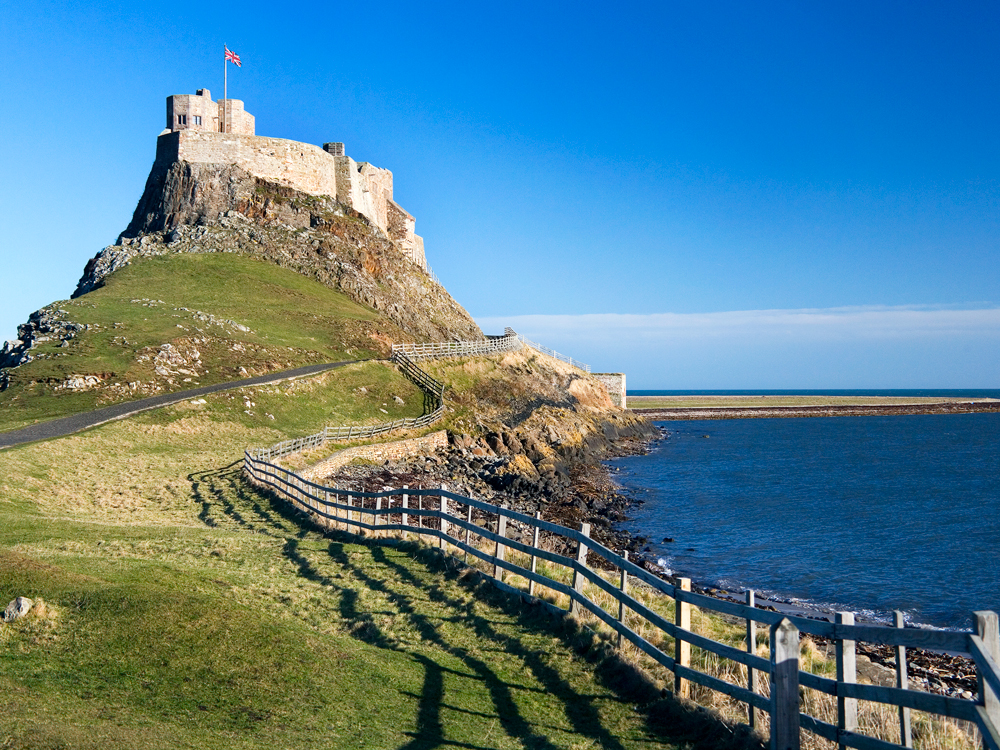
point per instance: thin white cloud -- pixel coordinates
(843, 347)
(817, 323)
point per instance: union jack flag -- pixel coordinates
(233, 57)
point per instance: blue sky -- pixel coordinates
(717, 195)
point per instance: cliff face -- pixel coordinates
(204, 208)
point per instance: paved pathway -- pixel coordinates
(76, 422)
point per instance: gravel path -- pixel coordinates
(77, 422)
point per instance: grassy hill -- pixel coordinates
(183, 609)
(224, 316)
(176, 607)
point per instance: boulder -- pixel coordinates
(17, 609)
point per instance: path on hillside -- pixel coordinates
(77, 422)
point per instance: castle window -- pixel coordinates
(197, 119)
(182, 119)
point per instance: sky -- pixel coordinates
(703, 195)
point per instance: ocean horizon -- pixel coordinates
(891, 392)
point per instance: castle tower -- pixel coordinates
(199, 112)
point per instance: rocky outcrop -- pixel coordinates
(532, 434)
(199, 208)
(48, 324)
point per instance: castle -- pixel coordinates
(200, 130)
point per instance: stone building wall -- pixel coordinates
(193, 112)
(199, 112)
(365, 188)
(400, 230)
(615, 383)
(378, 452)
(237, 119)
(302, 166)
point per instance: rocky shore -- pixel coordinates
(499, 469)
(584, 490)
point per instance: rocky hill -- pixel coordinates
(216, 208)
(198, 208)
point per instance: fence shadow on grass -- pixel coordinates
(422, 608)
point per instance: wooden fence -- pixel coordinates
(430, 386)
(434, 350)
(552, 353)
(448, 520)
(492, 345)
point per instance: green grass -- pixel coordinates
(186, 610)
(292, 321)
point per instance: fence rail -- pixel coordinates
(492, 345)
(429, 385)
(449, 521)
(510, 341)
(552, 353)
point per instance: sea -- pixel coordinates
(866, 514)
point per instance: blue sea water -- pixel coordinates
(869, 514)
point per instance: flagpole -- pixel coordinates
(225, 87)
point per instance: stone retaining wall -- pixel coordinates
(615, 383)
(378, 452)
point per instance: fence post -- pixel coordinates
(784, 686)
(331, 523)
(847, 672)
(534, 558)
(751, 649)
(347, 523)
(377, 517)
(468, 531)
(621, 602)
(986, 627)
(406, 499)
(902, 681)
(501, 550)
(682, 649)
(444, 520)
(575, 607)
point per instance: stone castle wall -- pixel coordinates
(306, 168)
(302, 166)
(400, 229)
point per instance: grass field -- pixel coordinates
(183, 609)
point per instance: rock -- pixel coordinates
(17, 609)
(196, 208)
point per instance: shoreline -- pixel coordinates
(588, 492)
(937, 672)
(661, 414)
